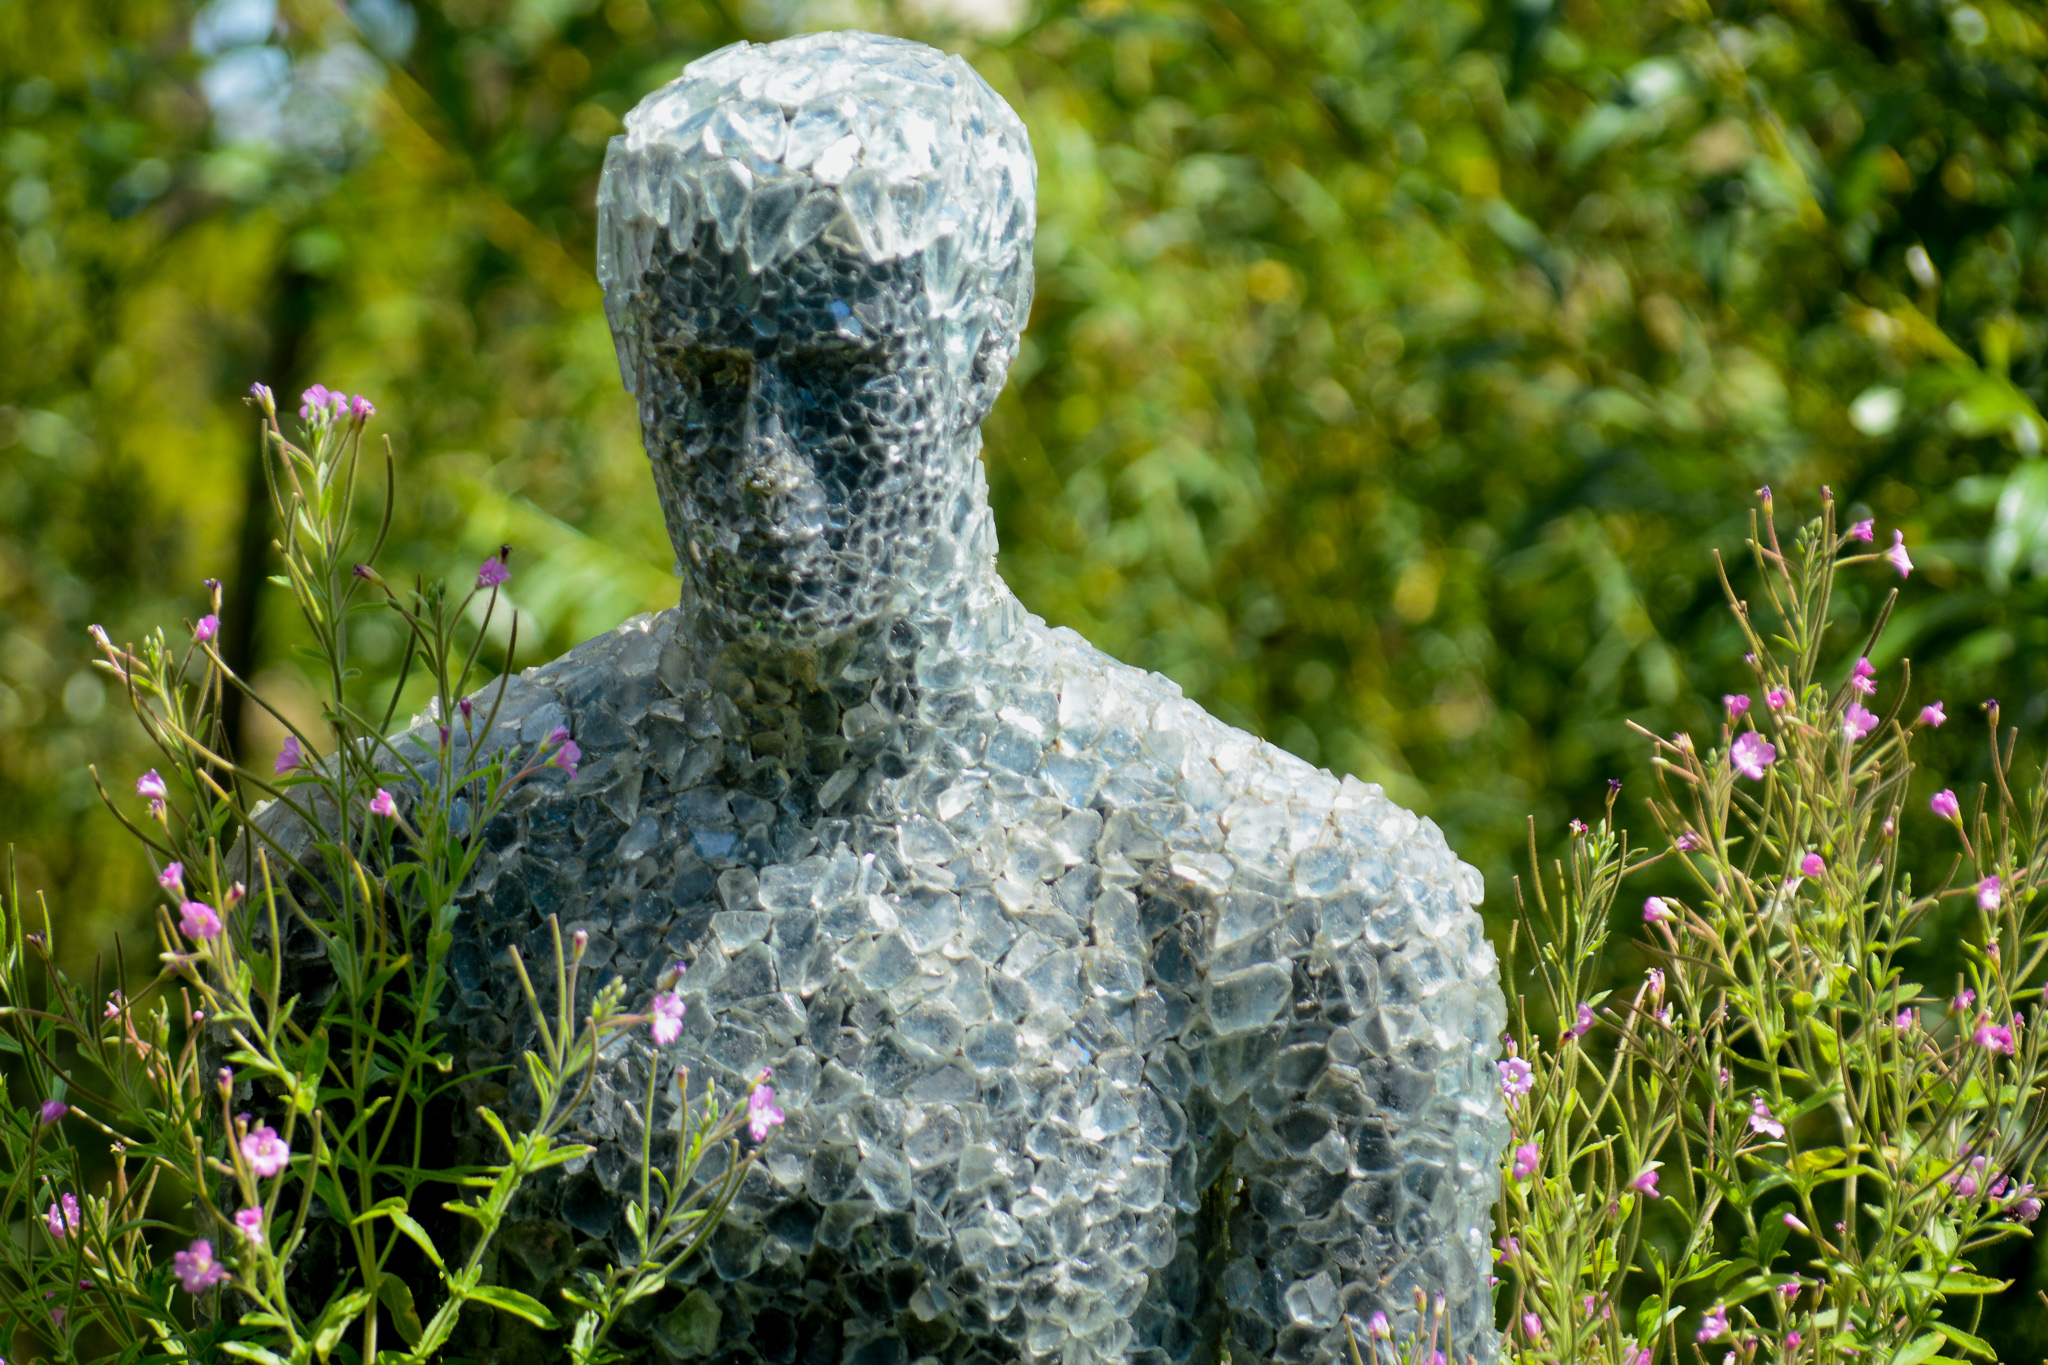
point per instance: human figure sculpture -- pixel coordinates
(1106, 1033)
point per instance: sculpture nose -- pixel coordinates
(778, 481)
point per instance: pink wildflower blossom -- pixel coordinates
(1989, 893)
(196, 1269)
(1865, 531)
(198, 921)
(151, 786)
(172, 878)
(1517, 1078)
(1864, 678)
(1715, 1326)
(208, 627)
(1736, 703)
(63, 1216)
(1858, 721)
(492, 573)
(1526, 1158)
(1761, 1119)
(763, 1115)
(1645, 1183)
(1992, 1037)
(567, 752)
(1751, 754)
(1792, 1222)
(1584, 1025)
(1813, 865)
(1687, 841)
(668, 1012)
(361, 408)
(52, 1111)
(1777, 699)
(1532, 1327)
(382, 804)
(249, 1222)
(288, 757)
(1933, 714)
(1655, 911)
(1900, 560)
(265, 1151)
(1945, 805)
(1965, 1000)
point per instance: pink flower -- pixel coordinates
(1715, 1326)
(1641, 1357)
(1761, 1119)
(52, 1111)
(492, 573)
(1736, 703)
(362, 408)
(1645, 1183)
(63, 1217)
(1378, 1327)
(113, 1007)
(1777, 699)
(1906, 1020)
(1932, 714)
(382, 804)
(1865, 531)
(1792, 1222)
(1813, 865)
(1857, 722)
(1964, 1001)
(1532, 1327)
(1526, 1158)
(249, 1222)
(1655, 911)
(265, 1151)
(198, 921)
(1510, 1247)
(1656, 978)
(151, 786)
(1517, 1078)
(172, 878)
(1864, 679)
(1900, 560)
(1577, 827)
(259, 394)
(567, 753)
(1584, 1025)
(1687, 841)
(668, 1014)
(1989, 893)
(1751, 754)
(313, 402)
(1945, 805)
(2027, 1210)
(289, 757)
(1792, 1340)
(208, 627)
(196, 1268)
(763, 1117)
(1992, 1037)
(1790, 1290)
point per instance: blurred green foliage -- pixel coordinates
(1395, 366)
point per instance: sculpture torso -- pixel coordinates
(1103, 1030)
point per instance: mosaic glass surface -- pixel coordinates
(1106, 1032)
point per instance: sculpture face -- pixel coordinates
(813, 462)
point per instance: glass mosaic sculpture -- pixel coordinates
(1106, 1032)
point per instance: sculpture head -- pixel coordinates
(816, 257)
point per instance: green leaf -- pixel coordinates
(1818, 1159)
(248, 1351)
(1975, 1345)
(378, 1210)
(327, 1332)
(517, 1304)
(1917, 1350)
(1955, 1282)
(396, 1296)
(405, 1224)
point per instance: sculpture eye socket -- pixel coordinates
(715, 384)
(827, 377)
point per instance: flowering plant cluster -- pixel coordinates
(246, 1114)
(1775, 1146)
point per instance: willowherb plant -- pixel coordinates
(1777, 1147)
(263, 1113)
